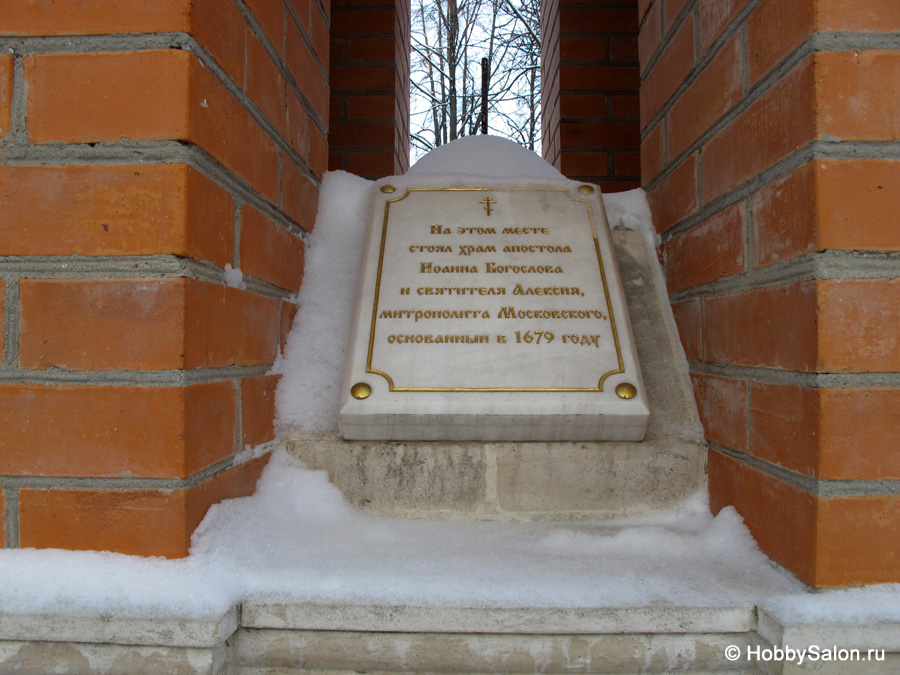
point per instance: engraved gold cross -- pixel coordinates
(487, 201)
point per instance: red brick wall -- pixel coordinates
(134, 169)
(370, 45)
(769, 147)
(590, 91)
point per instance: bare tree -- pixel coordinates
(450, 37)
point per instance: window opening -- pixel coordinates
(450, 38)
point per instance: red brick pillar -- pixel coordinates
(133, 172)
(771, 159)
(370, 87)
(590, 82)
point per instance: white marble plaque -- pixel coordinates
(491, 313)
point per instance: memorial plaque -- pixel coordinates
(491, 313)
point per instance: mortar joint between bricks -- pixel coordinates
(11, 322)
(18, 132)
(129, 378)
(12, 517)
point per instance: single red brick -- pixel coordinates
(373, 165)
(375, 107)
(784, 216)
(600, 135)
(857, 541)
(774, 327)
(650, 35)
(689, 322)
(362, 134)
(714, 16)
(653, 153)
(774, 29)
(362, 22)
(598, 19)
(841, 204)
(300, 196)
(784, 425)
(707, 252)
(258, 410)
(583, 105)
(298, 125)
(776, 125)
(670, 71)
(675, 197)
(858, 433)
(101, 324)
(858, 321)
(269, 252)
(209, 220)
(874, 16)
(86, 98)
(135, 522)
(265, 84)
(583, 163)
(103, 431)
(782, 518)
(210, 423)
(715, 91)
(582, 48)
(6, 90)
(228, 327)
(857, 95)
(371, 48)
(595, 78)
(95, 18)
(146, 95)
(722, 404)
(219, 26)
(858, 207)
(114, 210)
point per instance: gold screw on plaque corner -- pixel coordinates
(586, 189)
(360, 390)
(388, 189)
(626, 390)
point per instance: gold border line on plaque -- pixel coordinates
(612, 319)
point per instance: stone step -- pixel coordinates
(242, 670)
(275, 638)
(294, 638)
